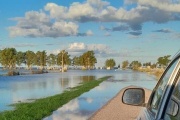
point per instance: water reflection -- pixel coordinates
(87, 78)
(15, 89)
(69, 111)
(85, 105)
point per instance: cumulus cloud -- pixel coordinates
(100, 50)
(102, 11)
(38, 24)
(165, 5)
(77, 11)
(77, 47)
(66, 18)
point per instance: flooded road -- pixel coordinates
(28, 87)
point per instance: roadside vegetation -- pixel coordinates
(151, 68)
(41, 108)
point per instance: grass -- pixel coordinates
(43, 107)
(156, 72)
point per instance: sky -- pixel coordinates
(130, 30)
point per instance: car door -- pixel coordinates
(173, 107)
(160, 94)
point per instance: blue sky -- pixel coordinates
(123, 30)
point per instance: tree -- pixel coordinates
(63, 58)
(88, 59)
(147, 64)
(135, 65)
(51, 60)
(153, 66)
(40, 59)
(20, 58)
(125, 64)
(76, 61)
(30, 58)
(8, 57)
(110, 63)
(164, 60)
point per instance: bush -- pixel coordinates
(38, 71)
(12, 73)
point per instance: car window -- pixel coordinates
(173, 109)
(160, 88)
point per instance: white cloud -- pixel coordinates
(77, 47)
(98, 3)
(38, 24)
(89, 33)
(55, 10)
(99, 10)
(165, 5)
(107, 34)
(66, 19)
(100, 50)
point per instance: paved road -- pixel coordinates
(116, 110)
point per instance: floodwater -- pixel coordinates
(85, 105)
(14, 89)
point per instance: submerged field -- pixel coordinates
(43, 107)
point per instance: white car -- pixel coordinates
(164, 102)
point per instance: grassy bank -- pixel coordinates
(156, 72)
(44, 107)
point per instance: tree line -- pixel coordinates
(161, 61)
(10, 58)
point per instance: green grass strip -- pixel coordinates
(44, 107)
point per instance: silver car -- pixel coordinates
(164, 102)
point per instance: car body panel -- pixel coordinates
(172, 73)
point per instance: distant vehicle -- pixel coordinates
(164, 102)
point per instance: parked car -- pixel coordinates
(164, 102)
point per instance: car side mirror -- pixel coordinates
(134, 96)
